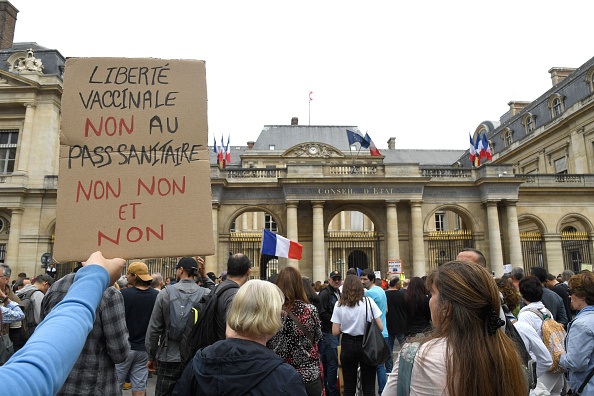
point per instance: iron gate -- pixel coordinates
(576, 250)
(352, 249)
(532, 250)
(444, 246)
(250, 244)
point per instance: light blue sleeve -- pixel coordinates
(43, 364)
(12, 313)
(579, 347)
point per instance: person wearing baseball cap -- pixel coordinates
(164, 357)
(329, 343)
(139, 300)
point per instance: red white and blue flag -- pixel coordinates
(214, 146)
(372, 148)
(228, 151)
(276, 245)
(472, 150)
(221, 156)
(487, 148)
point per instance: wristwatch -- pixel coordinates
(2, 299)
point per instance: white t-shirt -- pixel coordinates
(352, 319)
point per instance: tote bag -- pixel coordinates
(375, 348)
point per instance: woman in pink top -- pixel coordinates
(467, 354)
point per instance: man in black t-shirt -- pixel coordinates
(395, 316)
(139, 300)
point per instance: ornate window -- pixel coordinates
(508, 137)
(561, 166)
(529, 122)
(8, 147)
(556, 105)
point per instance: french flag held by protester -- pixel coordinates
(276, 245)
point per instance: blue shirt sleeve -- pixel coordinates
(29, 372)
(12, 313)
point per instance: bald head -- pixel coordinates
(473, 256)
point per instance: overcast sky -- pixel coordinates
(426, 72)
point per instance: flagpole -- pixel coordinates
(309, 109)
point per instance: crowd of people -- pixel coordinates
(457, 331)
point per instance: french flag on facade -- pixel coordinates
(276, 245)
(472, 151)
(228, 151)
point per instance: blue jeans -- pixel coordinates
(381, 372)
(329, 355)
(392, 337)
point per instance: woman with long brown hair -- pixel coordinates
(467, 354)
(350, 316)
(297, 341)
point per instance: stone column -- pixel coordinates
(244, 221)
(211, 262)
(319, 259)
(554, 252)
(418, 244)
(513, 230)
(25, 139)
(392, 230)
(12, 249)
(256, 216)
(292, 229)
(496, 254)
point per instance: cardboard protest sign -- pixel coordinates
(134, 177)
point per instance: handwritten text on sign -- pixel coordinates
(136, 153)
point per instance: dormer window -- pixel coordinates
(508, 137)
(590, 79)
(529, 122)
(556, 105)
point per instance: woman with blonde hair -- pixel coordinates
(467, 354)
(297, 340)
(241, 363)
(350, 317)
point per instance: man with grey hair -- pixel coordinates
(15, 329)
(566, 275)
(157, 282)
(516, 276)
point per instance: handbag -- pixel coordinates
(375, 348)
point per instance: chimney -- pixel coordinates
(8, 16)
(251, 144)
(559, 74)
(516, 106)
(294, 121)
(392, 143)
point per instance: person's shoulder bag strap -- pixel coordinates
(300, 325)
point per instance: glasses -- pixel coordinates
(336, 279)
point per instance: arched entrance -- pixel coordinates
(352, 242)
(448, 235)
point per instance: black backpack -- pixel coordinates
(201, 331)
(29, 323)
(180, 308)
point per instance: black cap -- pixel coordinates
(187, 263)
(334, 273)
